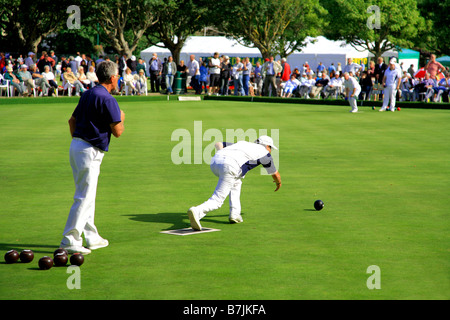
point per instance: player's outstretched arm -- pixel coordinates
(277, 179)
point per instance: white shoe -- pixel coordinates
(382, 109)
(236, 219)
(193, 215)
(102, 243)
(392, 109)
(354, 111)
(75, 249)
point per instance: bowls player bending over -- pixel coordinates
(231, 163)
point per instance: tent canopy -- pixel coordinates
(204, 47)
(445, 61)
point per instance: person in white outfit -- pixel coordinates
(352, 90)
(231, 163)
(391, 82)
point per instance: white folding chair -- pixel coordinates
(67, 86)
(4, 84)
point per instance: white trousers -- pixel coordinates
(389, 94)
(229, 184)
(85, 161)
(353, 102)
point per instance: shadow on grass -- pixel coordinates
(178, 220)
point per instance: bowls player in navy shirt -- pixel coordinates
(95, 118)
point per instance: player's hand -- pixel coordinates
(277, 179)
(278, 186)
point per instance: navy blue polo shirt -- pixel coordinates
(95, 112)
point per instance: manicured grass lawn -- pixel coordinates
(384, 178)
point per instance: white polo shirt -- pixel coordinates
(392, 76)
(193, 68)
(352, 83)
(247, 156)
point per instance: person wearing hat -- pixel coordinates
(26, 78)
(391, 82)
(141, 82)
(230, 164)
(14, 80)
(29, 61)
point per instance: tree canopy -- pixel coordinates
(275, 27)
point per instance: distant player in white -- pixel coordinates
(391, 82)
(231, 163)
(352, 90)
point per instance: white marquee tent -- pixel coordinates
(204, 47)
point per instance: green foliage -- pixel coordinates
(273, 26)
(399, 22)
(176, 21)
(435, 37)
(25, 23)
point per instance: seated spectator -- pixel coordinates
(128, 80)
(290, 86)
(25, 76)
(319, 85)
(141, 81)
(39, 80)
(429, 85)
(92, 76)
(296, 74)
(307, 85)
(443, 88)
(50, 76)
(334, 86)
(72, 79)
(13, 80)
(407, 88)
(81, 76)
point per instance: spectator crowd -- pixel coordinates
(217, 75)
